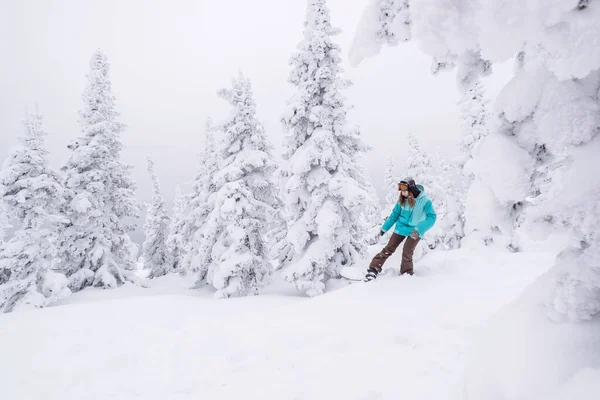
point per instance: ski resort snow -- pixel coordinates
(314, 169)
(395, 337)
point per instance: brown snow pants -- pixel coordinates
(406, 267)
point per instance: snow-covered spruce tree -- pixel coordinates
(483, 218)
(175, 244)
(325, 187)
(278, 227)
(422, 169)
(33, 195)
(200, 203)
(155, 252)
(234, 235)
(390, 185)
(4, 222)
(395, 21)
(393, 26)
(539, 163)
(371, 216)
(94, 246)
(474, 119)
(452, 222)
(440, 185)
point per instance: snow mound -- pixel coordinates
(541, 359)
(505, 168)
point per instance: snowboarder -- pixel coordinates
(413, 215)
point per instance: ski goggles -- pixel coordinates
(402, 187)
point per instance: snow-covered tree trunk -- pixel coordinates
(94, 245)
(325, 188)
(32, 194)
(175, 244)
(155, 252)
(233, 238)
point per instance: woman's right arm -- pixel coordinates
(391, 220)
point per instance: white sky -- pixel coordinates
(170, 57)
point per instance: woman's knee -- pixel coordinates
(388, 250)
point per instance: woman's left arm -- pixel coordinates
(429, 220)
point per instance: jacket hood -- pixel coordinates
(422, 190)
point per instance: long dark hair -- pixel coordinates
(410, 198)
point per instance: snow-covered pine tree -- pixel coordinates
(395, 19)
(419, 164)
(278, 226)
(390, 185)
(33, 195)
(421, 168)
(325, 188)
(155, 252)
(175, 244)
(479, 223)
(474, 119)
(535, 130)
(4, 222)
(94, 246)
(439, 183)
(371, 216)
(393, 26)
(281, 251)
(452, 223)
(234, 235)
(200, 203)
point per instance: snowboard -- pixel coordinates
(355, 274)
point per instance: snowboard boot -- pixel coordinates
(371, 274)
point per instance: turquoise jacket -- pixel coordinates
(421, 217)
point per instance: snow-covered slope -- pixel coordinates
(397, 337)
(521, 354)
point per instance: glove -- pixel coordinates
(414, 234)
(381, 233)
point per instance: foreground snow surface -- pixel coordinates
(397, 337)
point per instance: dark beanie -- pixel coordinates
(412, 186)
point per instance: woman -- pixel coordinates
(413, 215)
